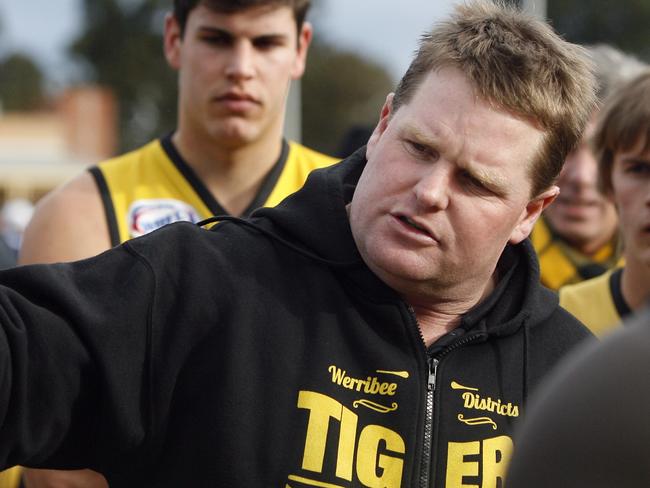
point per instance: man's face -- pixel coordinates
(235, 70)
(631, 194)
(446, 187)
(581, 215)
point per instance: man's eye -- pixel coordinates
(473, 183)
(264, 43)
(417, 149)
(216, 40)
(639, 168)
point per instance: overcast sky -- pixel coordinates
(385, 30)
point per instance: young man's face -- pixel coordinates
(234, 71)
(446, 187)
(581, 215)
(631, 194)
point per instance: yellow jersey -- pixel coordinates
(154, 186)
(598, 303)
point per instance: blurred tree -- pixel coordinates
(121, 47)
(625, 25)
(21, 83)
(341, 91)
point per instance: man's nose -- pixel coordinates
(433, 187)
(240, 65)
(581, 168)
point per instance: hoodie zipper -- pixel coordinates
(432, 368)
(428, 423)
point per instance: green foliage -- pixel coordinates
(21, 83)
(340, 90)
(624, 24)
(121, 48)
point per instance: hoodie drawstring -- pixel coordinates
(525, 362)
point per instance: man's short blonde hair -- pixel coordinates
(518, 63)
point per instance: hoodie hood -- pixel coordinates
(315, 220)
(315, 217)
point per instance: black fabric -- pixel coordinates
(192, 357)
(107, 201)
(591, 270)
(622, 308)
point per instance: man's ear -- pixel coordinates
(304, 40)
(531, 213)
(172, 41)
(382, 125)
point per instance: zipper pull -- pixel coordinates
(433, 369)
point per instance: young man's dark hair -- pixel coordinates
(182, 8)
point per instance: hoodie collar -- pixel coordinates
(315, 218)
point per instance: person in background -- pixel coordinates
(577, 238)
(588, 425)
(235, 60)
(621, 144)
(382, 326)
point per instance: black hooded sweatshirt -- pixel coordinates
(264, 353)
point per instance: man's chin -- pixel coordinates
(404, 277)
(235, 136)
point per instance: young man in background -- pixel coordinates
(235, 61)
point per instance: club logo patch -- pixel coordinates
(148, 215)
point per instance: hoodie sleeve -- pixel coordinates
(74, 361)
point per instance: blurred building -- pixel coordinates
(40, 150)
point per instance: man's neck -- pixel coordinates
(433, 325)
(437, 318)
(232, 174)
(635, 283)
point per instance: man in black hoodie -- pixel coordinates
(382, 327)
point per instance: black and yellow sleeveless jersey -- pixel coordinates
(598, 303)
(153, 186)
(561, 265)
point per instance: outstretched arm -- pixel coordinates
(69, 224)
(73, 357)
